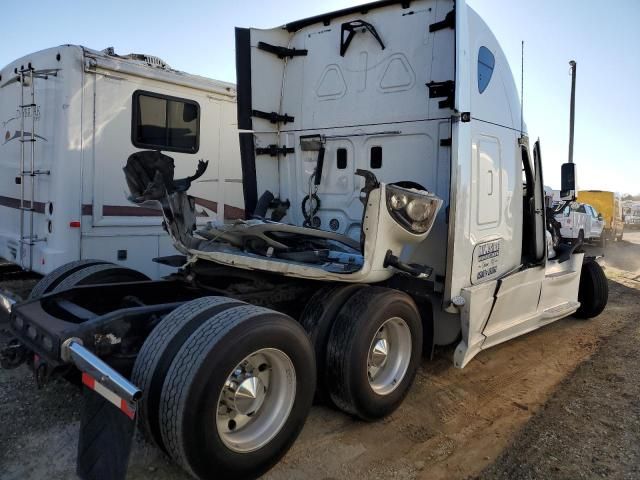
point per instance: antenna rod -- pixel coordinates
(522, 90)
(572, 113)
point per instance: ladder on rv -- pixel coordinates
(28, 107)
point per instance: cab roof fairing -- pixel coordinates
(326, 18)
(483, 105)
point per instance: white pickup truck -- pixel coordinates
(582, 222)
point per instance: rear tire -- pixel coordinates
(317, 318)
(101, 273)
(159, 350)
(51, 280)
(203, 384)
(593, 292)
(374, 352)
(83, 272)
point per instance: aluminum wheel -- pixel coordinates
(256, 400)
(389, 356)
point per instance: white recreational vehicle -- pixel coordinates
(396, 205)
(69, 118)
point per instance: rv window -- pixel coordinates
(376, 157)
(486, 62)
(161, 122)
(341, 159)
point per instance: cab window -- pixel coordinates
(486, 64)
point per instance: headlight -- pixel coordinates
(419, 210)
(398, 201)
(415, 210)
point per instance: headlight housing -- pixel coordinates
(415, 210)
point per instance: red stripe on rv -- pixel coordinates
(230, 212)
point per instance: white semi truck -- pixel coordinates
(394, 205)
(69, 118)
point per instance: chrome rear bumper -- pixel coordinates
(90, 364)
(7, 301)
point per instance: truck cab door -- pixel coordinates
(591, 227)
(540, 223)
(597, 223)
(517, 295)
(581, 222)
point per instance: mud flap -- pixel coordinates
(106, 436)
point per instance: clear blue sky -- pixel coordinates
(197, 37)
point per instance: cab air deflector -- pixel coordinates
(326, 18)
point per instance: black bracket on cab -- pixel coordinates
(273, 117)
(443, 89)
(370, 182)
(448, 22)
(274, 150)
(281, 52)
(352, 28)
(414, 269)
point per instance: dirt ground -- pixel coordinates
(561, 402)
(590, 427)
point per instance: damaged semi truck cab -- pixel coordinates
(418, 94)
(393, 203)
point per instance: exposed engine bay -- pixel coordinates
(394, 215)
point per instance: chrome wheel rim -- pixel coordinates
(256, 400)
(389, 356)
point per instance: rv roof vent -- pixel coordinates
(149, 60)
